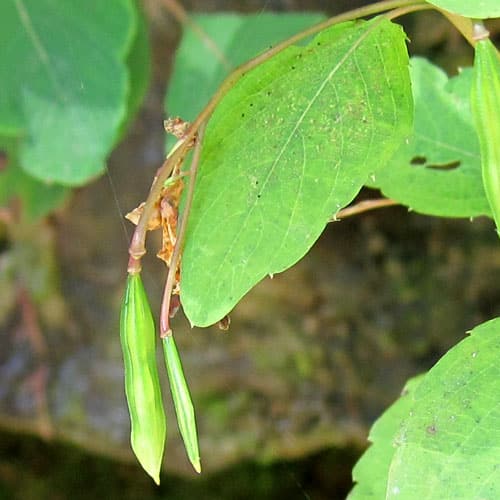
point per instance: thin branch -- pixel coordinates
(408, 9)
(165, 329)
(363, 206)
(179, 12)
(137, 246)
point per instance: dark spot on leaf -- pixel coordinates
(418, 160)
(268, 93)
(4, 160)
(293, 67)
(432, 429)
(251, 104)
(318, 43)
(243, 115)
(422, 160)
(258, 196)
(452, 165)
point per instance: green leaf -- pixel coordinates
(449, 447)
(183, 404)
(287, 147)
(64, 82)
(142, 384)
(371, 471)
(485, 101)
(438, 170)
(199, 70)
(37, 198)
(479, 9)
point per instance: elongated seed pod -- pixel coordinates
(182, 401)
(485, 104)
(142, 385)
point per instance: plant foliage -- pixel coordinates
(437, 171)
(66, 81)
(371, 471)
(292, 143)
(478, 9)
(454, 418)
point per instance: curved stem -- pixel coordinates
(363, 206)
(408, 9)
(463, 25)
(165, 329)
(179, 13)
(137, 246)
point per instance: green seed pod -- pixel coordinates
(182, 401)
(142, 385)
(485, 104)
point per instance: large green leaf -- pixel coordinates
(64, 82)
(199, 70)
(438, 170)
(37, 198)
(479, 9)
(449, 447)
(371, 471)
(290, 145)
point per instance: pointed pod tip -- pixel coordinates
(152, 470)
(196, 465)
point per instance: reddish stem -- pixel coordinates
(165, 329)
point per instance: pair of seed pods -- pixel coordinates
(142, 384)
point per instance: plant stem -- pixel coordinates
(363, 206)
(463, 24)
(137, 246)
(165, 329)
(179, 12)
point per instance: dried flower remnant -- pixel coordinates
(224, 323)
(165, 214)
(176, 126)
